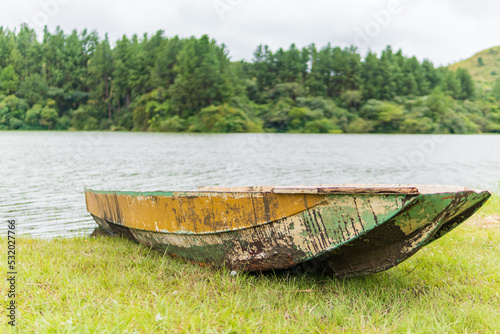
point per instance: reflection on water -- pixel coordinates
(43, 174)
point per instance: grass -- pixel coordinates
(484, 74)
(111, 285)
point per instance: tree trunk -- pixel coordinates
(108, 100)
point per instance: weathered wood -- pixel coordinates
(196, 212)
(346, 190)
(237, 189)
(324, 189)
(345, 230)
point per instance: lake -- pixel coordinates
(43, 174)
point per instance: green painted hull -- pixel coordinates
(386, 245)
(343, 234)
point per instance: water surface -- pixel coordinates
(43, 174)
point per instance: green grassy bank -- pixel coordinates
(111, 285)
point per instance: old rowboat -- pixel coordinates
(345, 230)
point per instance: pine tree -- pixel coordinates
(121, 56)
(203, 77)
(100, 69)
(315, 78)
(369, 70)
(9, 80)
(450, 84)
(467, 86)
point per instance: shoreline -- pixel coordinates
(242, 133)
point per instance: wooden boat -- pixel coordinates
(344, 230)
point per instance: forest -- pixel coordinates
(82, 81)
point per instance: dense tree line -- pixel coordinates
(153, 83)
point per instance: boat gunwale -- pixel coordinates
(341, 189)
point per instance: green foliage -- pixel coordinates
(389, 117)
(322, 126)
(328, 108)
(33, 89)
(154, 83)
(300, 116)
(11, 107)
(439, 105)
(360, 125)
(223, 118)
(63, 122)
(204, 77)
(149, 111)
(290, 90)
(33, 116)
(419, 125)
(15, 123)
(277, 117)
(352, 99)
(262, 70)
(483, 67)
(495, 92)
(83, 119)
(467, 86)
(172, 124)
(385, 116)
(9, 80)
(100, 69)
(48, 117)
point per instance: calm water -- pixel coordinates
(43, 173)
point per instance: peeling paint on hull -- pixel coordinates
(338, 232)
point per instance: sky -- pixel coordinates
(443, 31)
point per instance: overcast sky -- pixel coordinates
(443, 31)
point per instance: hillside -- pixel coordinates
(484, 67)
